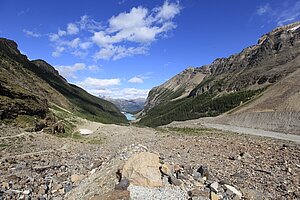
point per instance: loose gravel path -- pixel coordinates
(257, 132)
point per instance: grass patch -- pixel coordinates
(25, 121)
(2, 145)
(199, 131)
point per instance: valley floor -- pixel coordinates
(46, 166)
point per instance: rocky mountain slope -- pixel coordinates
(277, 109)
(230, 82)
(177, 87)
(129, 106)
(29, 88)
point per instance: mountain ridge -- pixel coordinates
(240, 76)
(30, 86)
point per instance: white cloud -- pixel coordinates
(125, 34)
(136, 79)
(263, 9)
(86, 45)
(79, 54)
(118, 52)
(94, 68)
(95, 84)
(72, 29)
(168, 10)
(58, 51)
(140, 78)
(88, 24)
(31, 33)
(139, 26)
(69, 71)
(281, 14)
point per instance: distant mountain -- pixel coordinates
(30, 88)
(129, 106)
(232, 82)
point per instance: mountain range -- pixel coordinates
(130, 106)
(30, 88)
(261, 84)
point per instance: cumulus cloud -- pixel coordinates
(140, 78)
(281, 14)
(118, 52)
(96, 84)
(136, 79)
(123, 35)
(58, 51)
(69, 71)
(139, 26)
(76, 46)
(31, 33)
(72, 29)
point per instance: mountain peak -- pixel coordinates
(10, 47)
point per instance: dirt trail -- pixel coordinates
(252, 131)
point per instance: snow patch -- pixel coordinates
(294, 28)
(84, 131)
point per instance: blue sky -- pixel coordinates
(123, 48)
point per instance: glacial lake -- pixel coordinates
(129, 116)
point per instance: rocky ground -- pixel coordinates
(196, 163)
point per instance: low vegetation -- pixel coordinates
(204, 105)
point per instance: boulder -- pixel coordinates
(142, 169)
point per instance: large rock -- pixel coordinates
(143, 170)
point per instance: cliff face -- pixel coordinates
(29, 87)
(253, 69)
(176, 88)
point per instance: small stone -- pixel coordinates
(123, 185)
(41, 191)
(165, 169)
(214, 187)
(57, 187)
(238, 157)
(233, 190)
(68, 187)
(198, 184)
(61, 191)
(5, 185)
(93, 171)
(245, 155)
(197, 176)
(174, 181)
(26, 192)
(214, 196)
(76, 178)
(177, 168)
(203, 170)
(199, 193)
(252, 194)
